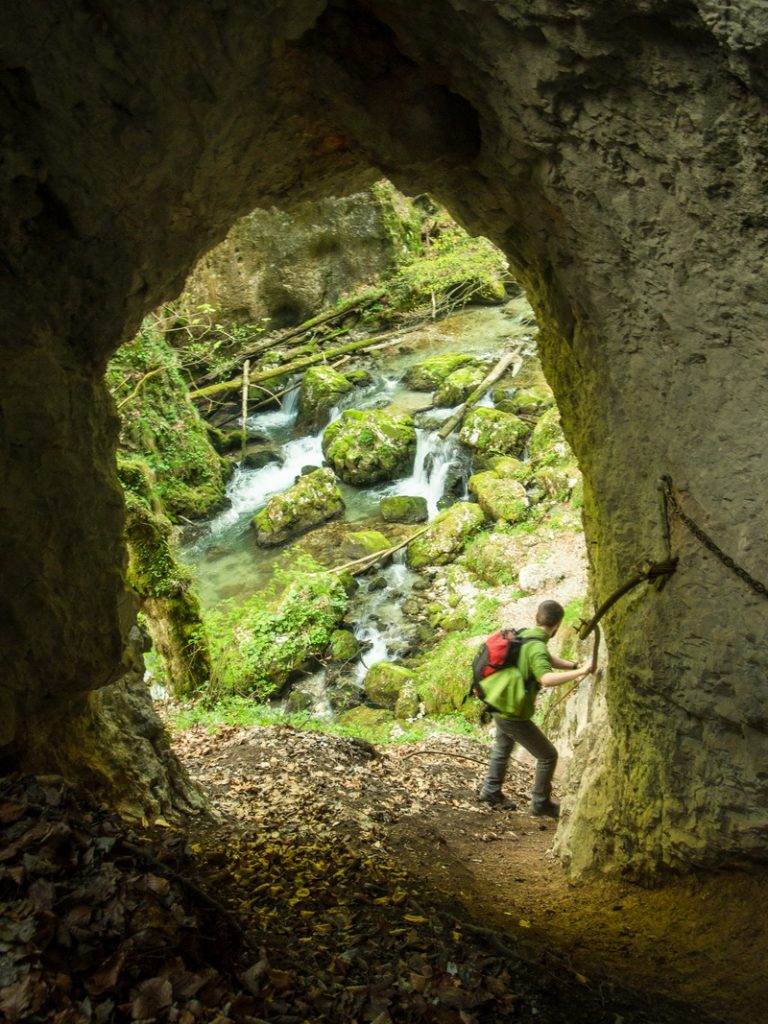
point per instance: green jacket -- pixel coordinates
(513, 691)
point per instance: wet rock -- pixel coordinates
(321, 389)
(312, 500)
(446, 535)
(366, 447)
(344, 645)
(377, 583)
(404, 509)
(258, 455)
(432, 372)
(360, 543)
(459, 385)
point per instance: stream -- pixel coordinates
(227, 563)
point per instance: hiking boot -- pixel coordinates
(497, 800)
(545, 810)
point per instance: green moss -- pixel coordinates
(490, 432)
(384, 681)
(344, 645)
(430, 373)
(365, 447)
(446, 535)
(259, 644)
(491, 557)
(160, 425)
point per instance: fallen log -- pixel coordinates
(361, 564)
(278, 371)
(499, 370)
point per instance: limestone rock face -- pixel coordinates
(284, 265)
(312, 500)
(365, 447)
(615, 152)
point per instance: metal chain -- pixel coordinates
(706, 540)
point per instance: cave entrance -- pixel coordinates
(640, 249)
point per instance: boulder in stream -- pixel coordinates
(457, 387)
(490, 432)
(321, 389)
(432, 372)
(446, 535)
(364, 447)
(402, 508)
(344, 645)
(312, 500)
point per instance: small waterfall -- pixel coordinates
(380, 626)
(430, 468)
(277, 419)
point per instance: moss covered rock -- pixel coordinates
(430, 373)
(160, 423)
(313, 499)
(321, 389)
(457, 387)
(344, 645)
(408, 703)
(492, 557)
(532, 401)
(446, 535)
(404, 509)
(559, 483)
(506, 467)
(384, 681)
(548, 446)
(500, 498)
(365, 447)
(170, 606)
(258, 646)
(367, 720)
(490, 432)
(443, 679)
(360, 543)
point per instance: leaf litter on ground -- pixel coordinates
(291, 902)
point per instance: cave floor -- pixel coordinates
(694, 948)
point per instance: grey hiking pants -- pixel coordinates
(517, 730)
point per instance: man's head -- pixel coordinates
(549, 615)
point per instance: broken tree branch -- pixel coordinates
(361, 564)
(457, 418)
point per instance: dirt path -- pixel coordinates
(700, 940)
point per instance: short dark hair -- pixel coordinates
(549, 613)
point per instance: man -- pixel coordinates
(536, 665)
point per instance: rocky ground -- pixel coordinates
(337, 881)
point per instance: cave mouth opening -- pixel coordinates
(547, 133)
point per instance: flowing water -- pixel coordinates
(226, 561)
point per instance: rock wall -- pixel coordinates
(284, 266)
(616, 151)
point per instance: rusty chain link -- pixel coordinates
(671, 502)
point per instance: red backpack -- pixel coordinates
(499, 650)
